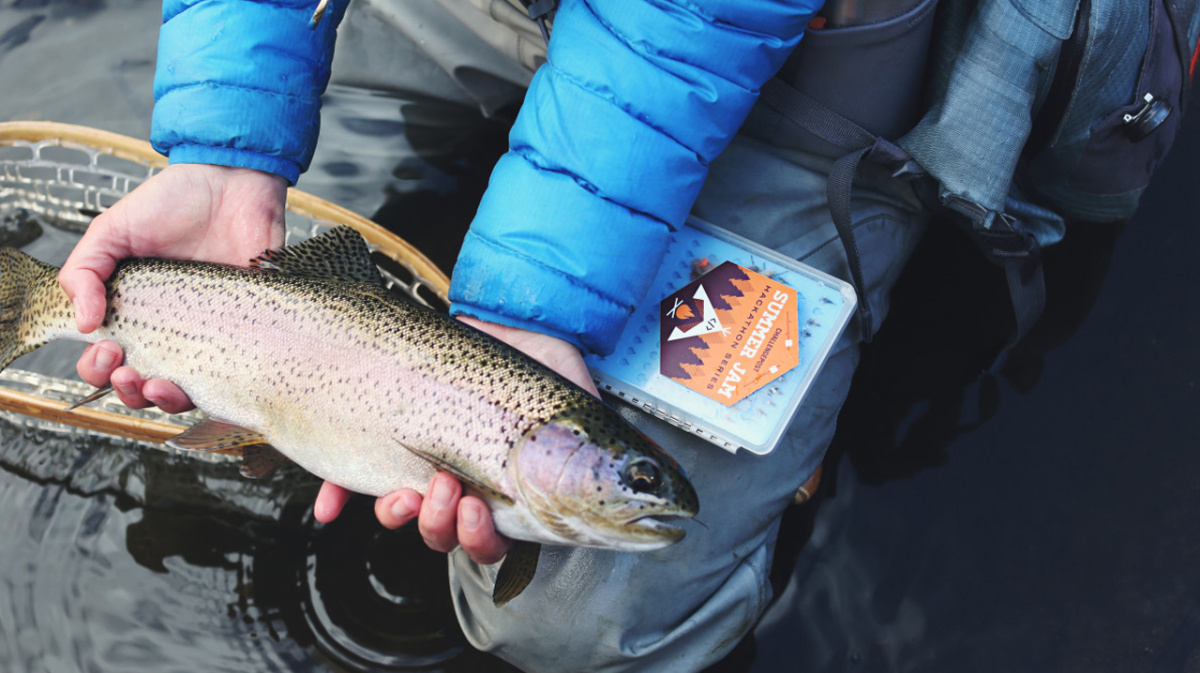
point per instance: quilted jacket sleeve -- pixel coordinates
(239, 82)
(609, 151)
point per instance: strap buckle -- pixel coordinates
(539, 11)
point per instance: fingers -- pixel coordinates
(89, 264)
(100, 365)
(128, 384)
(477, 532)
(396, 509)
(82, 278)
(98, 362)
(166, 396)
(447, 520)
(330, 501)
(439, 511)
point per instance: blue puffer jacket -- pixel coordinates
(608, 152)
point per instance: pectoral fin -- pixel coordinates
(464, 476)
(519, 565)
(516, 572)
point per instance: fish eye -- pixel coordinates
(643, 475)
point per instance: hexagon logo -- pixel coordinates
(729, 333)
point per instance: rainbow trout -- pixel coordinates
(307, 355)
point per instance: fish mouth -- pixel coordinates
(658, 528)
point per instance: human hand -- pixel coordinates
(187, 211)
(446, 518)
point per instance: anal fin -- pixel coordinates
(516, 572)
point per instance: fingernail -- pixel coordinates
(105, 359)
(125, 388)
(400, 510)
(470, 517)
(440, 497)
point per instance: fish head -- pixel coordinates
(591, 479)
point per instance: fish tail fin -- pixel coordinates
(32, 305)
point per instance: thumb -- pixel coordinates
(89, 265)
(85, 288)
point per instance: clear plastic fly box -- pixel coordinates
(729, 339)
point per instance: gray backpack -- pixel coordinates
(1037, 113)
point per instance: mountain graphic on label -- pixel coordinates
(728, 333)
(709, 321)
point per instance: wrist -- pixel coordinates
(235, 212)
(229, 157)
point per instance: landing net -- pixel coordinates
(63, 176)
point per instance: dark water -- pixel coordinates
(1041, 520)
(1046, 518)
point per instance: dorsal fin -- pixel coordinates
(339, 253)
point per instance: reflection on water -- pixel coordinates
(122, 558)
(974, 523)
(414, 165)
(125, 559)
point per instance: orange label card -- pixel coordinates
(729, 333)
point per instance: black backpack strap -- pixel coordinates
(1001, 237)
(861, 144)
(1009, 245)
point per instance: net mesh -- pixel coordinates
(65, 183)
